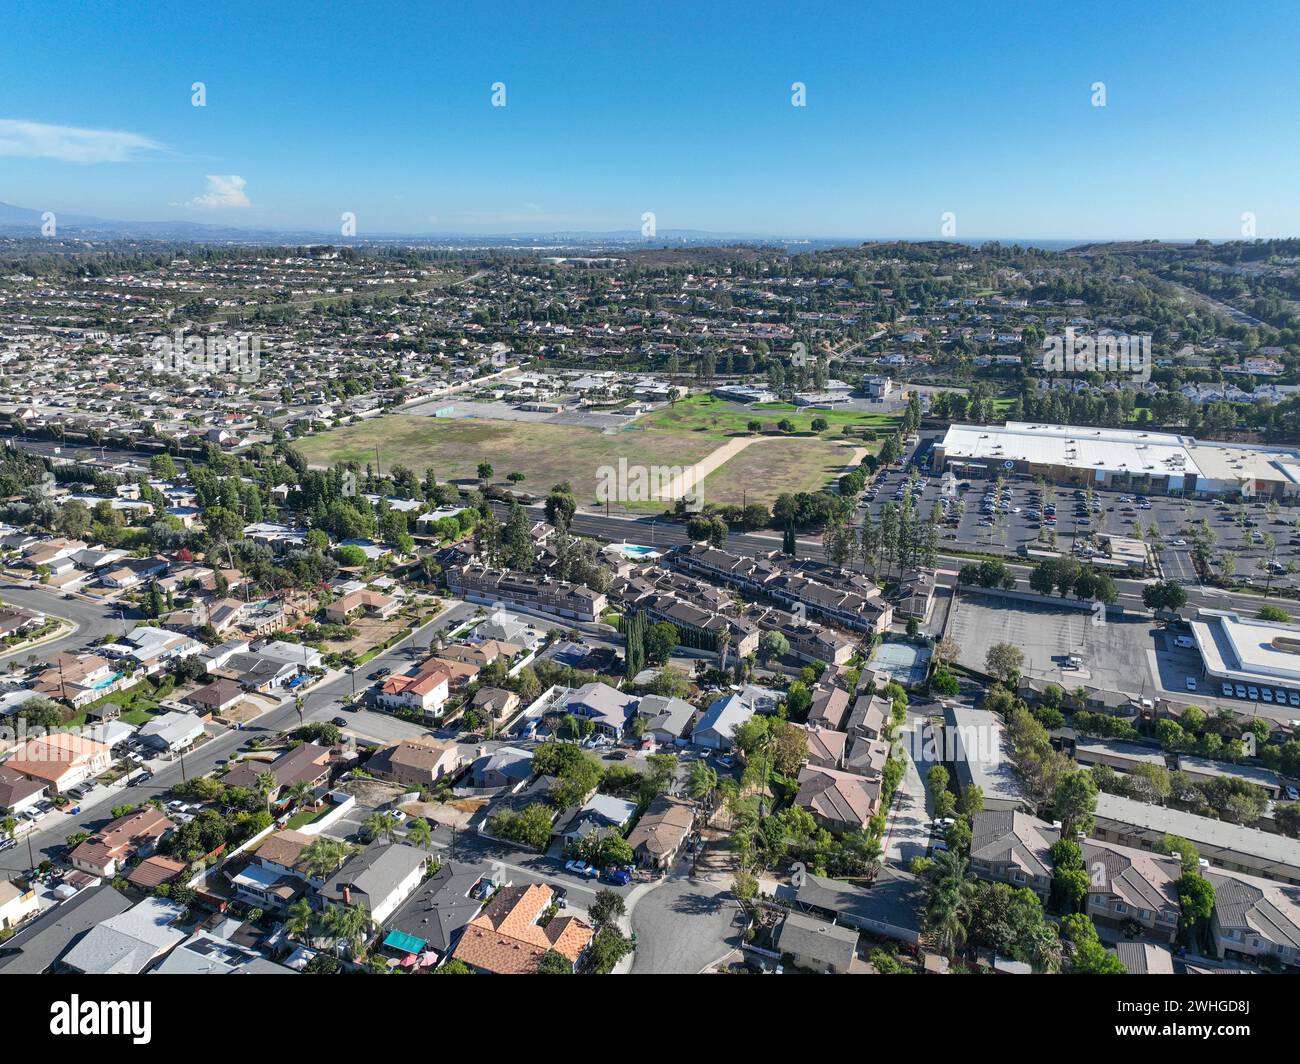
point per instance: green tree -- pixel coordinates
(607, 908)
(1004, 661)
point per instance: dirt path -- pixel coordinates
(693, 476)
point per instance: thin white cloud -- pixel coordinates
(39, 140)
(224, 190)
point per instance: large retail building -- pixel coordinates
(1124, 459)
(1247, 650)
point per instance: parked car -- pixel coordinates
(340, 722)
(581, 868)
(618, 877)
(1290, 793)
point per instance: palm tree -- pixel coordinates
(266, 785)
(348, 925)
(724, 645)
(420, 833)
(322, 856)
(1043, 949)
(380, 825)
(946, 914)
(301, 793)
(299, 920)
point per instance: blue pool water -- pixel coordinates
(631, 550)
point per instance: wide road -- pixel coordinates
(93, 620)
(321, 703)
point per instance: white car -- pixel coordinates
(1191, 683)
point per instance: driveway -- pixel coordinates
(683, 926)
(906, 833)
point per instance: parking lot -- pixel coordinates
(1118, 655)
(1019, 517)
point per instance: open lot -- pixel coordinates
(548, 451)
(773, 465)
(546, 454)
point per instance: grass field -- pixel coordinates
(546, 454)
(717, 416)
(764, 470)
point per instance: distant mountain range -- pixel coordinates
(26, 222)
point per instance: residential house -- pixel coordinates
(1132, 886)
(171, 732)
(1255, 919)
(16, 904)
(830, 707)
(60, 760)
(41, 945)
(153, 872)
(826, 747)
(432, 919)
(110, 849)
(600, 816)
(816, 945)
(1008, 846)
(424, 691)
(891, 907)
(379, 879)
(717, 726)
(507, 937)
(607, 708)
(126, 944)
(665, 720)
(215, 698)
(839, 801)
(371, 603)
(416, 762)
(18, 793)
(496, 703)
(507, 766)
(662, 832)
(276, 873)
(306, 763)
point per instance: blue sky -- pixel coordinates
(683, 109)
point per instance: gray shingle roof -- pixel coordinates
(34, 949)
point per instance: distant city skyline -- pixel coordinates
(944, 120)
